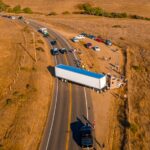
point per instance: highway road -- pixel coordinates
(71, 103)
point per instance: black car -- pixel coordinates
(20, 17)
(53, 42)
(83, 33)
(63, 50)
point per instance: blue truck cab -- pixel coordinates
(86, 137)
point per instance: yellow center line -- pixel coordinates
(70, 111)
(69, 117)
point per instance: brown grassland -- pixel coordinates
(21, 81)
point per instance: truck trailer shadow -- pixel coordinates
(51, 69)
(75, 128)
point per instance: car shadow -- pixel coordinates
(51, 69)
(75, 128)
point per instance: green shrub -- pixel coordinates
(52, 14)
(40, 49)
(118, 15)
(133, 128)
(40, 41)
(78, 12)
(27, 10)
(84, 6)
(17, 9)
(136, 17)
(66, 13)
(3, 6)
(116, 26)
(137, 68)
(8, 101)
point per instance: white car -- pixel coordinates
(75, 40)
(96, 48)
(12, 17)
(80, 36)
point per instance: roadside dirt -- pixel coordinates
(121, 116)
(26, 86)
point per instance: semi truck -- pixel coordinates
(44, 32)
(81, 76)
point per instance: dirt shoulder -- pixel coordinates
(26, 86)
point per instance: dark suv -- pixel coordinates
(63, 50)
(53, 42)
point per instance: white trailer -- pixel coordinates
(80, 76)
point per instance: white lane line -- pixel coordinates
(86, 103)
(56, 98)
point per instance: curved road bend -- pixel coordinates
(70, 104)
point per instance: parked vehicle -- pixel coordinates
(75, 40)
(81, 76)
(88, 45)
(86, 137)
(53, 42)
(63, 50)
(84, 34)
(108, 42)
(55, 51)
(80, 36)
(96, 48)
(99, 40)
(92, 37)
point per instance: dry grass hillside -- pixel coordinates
(141, 7)
(133, 35)
(21, 80)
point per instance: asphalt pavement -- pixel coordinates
(71, 103)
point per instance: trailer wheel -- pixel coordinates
(97, 91)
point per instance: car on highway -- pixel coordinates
(75, 40)
(108, 42)
(63, 50)
(21, 18)
(55, 51)
(88, 45)
(96, 48)
(53, 42)
(12, 17)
